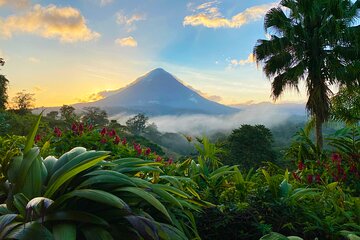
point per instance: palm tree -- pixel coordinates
(315, 41)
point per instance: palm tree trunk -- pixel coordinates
(318, 133)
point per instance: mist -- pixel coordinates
(200, 124)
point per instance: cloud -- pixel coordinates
(200, 124)
(105, 2)
(208, 15)
(214, 98)
(126, 42)
(242, 62)
(15, 3)
(129, 21)
(65, 23)
(33, 60)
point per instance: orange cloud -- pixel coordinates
(241, 62)
(64, 23)
(208, 15)
(126, 42)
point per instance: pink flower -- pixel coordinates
(117, 139)
(123, 142)
(37, 138)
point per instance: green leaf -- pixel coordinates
(5, 220)
(66, 157)
(31, 230)
(64, 231)
(95, 233)
(147, 197)
(63, 176)
(75, 216)
(96, 196)
(26, 163)
(31, 137)
(20, 201)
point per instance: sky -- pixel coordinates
(69, 51)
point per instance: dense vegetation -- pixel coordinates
(68, 176)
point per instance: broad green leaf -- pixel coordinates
(96, 233)
(86, 164)
(147, 197)
(75, 216)
(64, 231)
(5, 220)
(20, 201)
(94, 195)
(66, 157)
(31, 230)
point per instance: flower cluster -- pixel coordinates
(335, 169)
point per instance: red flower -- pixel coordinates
(90, 127)
(117, 139)
(111, 133)
(123, 142)
(81, 127)
(103, 140)
(310, 179)
(336, 158)
(318, 178)
(57, 132)
(170, 161)
(74, 128)
(296, 177)
(301, 166)
(37, 138)
(147, 151)
(137, 148)
(103, 132)
(158, 159)
(353, 168)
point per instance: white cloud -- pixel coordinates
(126, 42)
(65, 23)
(241, 62)
(129, 21)
(105, 2)
(209, 15)
(15, 3)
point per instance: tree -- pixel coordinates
(3, 88)
(23, 102)
(315, 41)
(249, 145)
(53, 115)
(345, 105)
(137, 124)
(68, 113)
(95, 116)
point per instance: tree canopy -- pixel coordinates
(315, 41)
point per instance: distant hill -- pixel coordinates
(158, 93)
